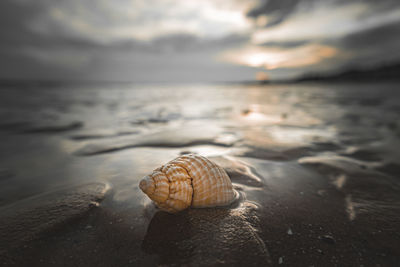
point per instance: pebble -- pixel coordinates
(327, 239)
(94, 204)
(280, 261)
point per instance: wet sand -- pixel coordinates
(316, 167)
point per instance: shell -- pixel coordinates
(189, 180)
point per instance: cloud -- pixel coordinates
(376, 45)
(373, 37)
(278, 11)
(367, 47)
(361, 34)
(105, 21)
(104, 39)
(182, 43)
(14, 26)
(160, 39)
(285, 44)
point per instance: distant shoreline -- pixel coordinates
(378, 74)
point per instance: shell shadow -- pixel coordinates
(206, 237)
(168, 236)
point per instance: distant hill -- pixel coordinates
(382, 73)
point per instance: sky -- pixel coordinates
(194, 40)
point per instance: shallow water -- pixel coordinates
(317, 167)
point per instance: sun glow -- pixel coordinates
(255, 58)
(262, 76)
(276, 58)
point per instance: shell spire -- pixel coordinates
(189, 180)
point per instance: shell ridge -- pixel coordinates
(228, 190)
(200, 182)
(179, 187)
(193, 166)
(206, 182)
(181, 164)
(221, 183)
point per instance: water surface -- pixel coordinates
(317, 167)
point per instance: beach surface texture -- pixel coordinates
(317, 168)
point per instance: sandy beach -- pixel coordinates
(316, 166)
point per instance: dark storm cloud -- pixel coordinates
(16, 33)
(17, 30)
(375, 6)
(177, 43)
(362, 48)
(372, 46)
(172, 43)
(91, 38)
(367, 32)
(374, 37)
(285, 44)
(376, 45)
(34, 44)
(190, 42)
(14, 27)
(279, 11)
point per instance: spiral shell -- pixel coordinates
(189, 180)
